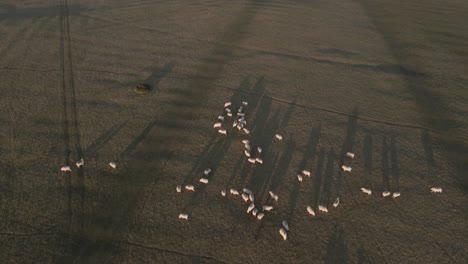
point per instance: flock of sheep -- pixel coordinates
(254, 156)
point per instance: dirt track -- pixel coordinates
(383, 79)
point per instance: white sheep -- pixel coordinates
(245, 141)
(299, 177)
(222, 131)
(279, 137)
(223, 192)
(323, 209)
(113, 164)
(227, 104)
(259, 160)
(245, 103)
(386, 193)
(436, 190)
(233, 191)
(283, 233)
(207, 171)
(183, 216)
(247, 147)
(337, 202)
(396, 194)
(260, 216)
(252, 160)
(273, 196)
(250, 208)
(346, 168)
(247, 153)
(221, 118)
(267, 208)
(80, 163)
(251, 197)
(245, 197)
(254, 212)
(241, 114)
(310, 211)
(65, 168)
(217, 125)
(229, 114)
(204, 180)
(247, 191)
(366, 191)
(179, 188)
(285, 225)
(246, 131)
(190, 188)
(228, 110)
(234, 124)
(306, 173)
(350, 155)
(259, 150)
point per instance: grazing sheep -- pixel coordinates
(259, 150)
(279, 137)
(396, 194)
(254, 212)
(267, 208)
(229, 114)
(283, 233)
(204, 180)
(251, 197)
(250, 208)
(241, 114)
(310, 211)
(245, 141)
(80, 163)
(113, 164)
(385, 193)
(367, 191)
(323, 209)
(65, 168)
(306, 173)
(252, 160)
(179, 188)
(247, 191)
(183, 216)
(260, 216)
(273, 196)
(245, 197)
(285, 225)
(217, 125)
(299, 178)
(346, 168)
(247, 153)
(221, 118)
(228, 110)
(223, 192)
(246, 131)
(234, 191)
(227, 104)
(245, 103)
(222, 131)
(436, 190)
(259, 160)
(190, 188)
(234, 124)
(207, 171)
(247, 147)
(350, 155)
(337, 202)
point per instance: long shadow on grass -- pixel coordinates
(368, 160)
(336, 249)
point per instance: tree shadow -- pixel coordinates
(394, 160)
(385, 165)
(318, 176)
(103, 139)
(428, 155)
(368, 159)
(328, 181)
(336, 249)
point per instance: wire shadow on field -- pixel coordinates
(336, 249)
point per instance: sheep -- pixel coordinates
(179, 188)
(396, 194)
(183, 216)
(222, 131)
(259, 150)
(366, 191)
(385, 193)
(247, 147)
(254, 212)
(279, 137)
(285, 225)
(299, 178)
(267, 208)
(250, 208)
(246, 131)
(190, 188)
(252, 160)
(346, 168)
(245, 197)
(229, 114)
(234, 191)
(217, 125)
(337, 202)
(306, 173)
(260, 216)
(221, 118)
(247, 191)
(310, 211)
(259, 160)
(247, 153)
(113, 164)
(204, 180)
(436, 190)
(323, 209)
(80, 163)
(283, 233)
(251, 197)
(228, 110)
(350, 155)
(245, 141)
(227, 104)
(207, 171)
(223, 192)
(273, 196)
(245, 103)
(241, 114)
(234, 124)
(65, 168)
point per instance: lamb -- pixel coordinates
(259, 150)
(113, 164)
(310, 211)
(283, 233)
(65, 168)
(299, 178)
(279, 137)
(204, 180)
(323, 209)
(80, 163)
(273, 196)
(436, 190)
(233, 191)
(267, 208)
(250, 208)
(337, 202)
(245, 103)
(366, 191)
(223, 192)
(346, 168)
(190, 188)
(183, 216)
(306, 173)
(179, 188)
(207, 171)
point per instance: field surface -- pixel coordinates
(384, 79)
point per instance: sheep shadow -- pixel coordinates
(336, 249)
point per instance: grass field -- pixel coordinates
(384, 79)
